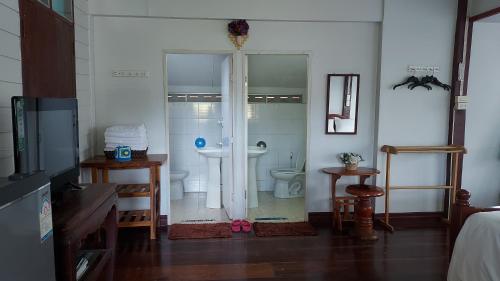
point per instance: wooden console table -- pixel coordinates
(138, 218)
(337, 172)
(86, 220)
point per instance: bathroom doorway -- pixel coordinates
(481, 134)
(200, 132)
(277, 96)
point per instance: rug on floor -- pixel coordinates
(199, 231)
(284, 229)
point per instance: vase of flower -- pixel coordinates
(350, 160)
(351, 167)
(238, 32)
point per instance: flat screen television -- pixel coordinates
(46, 139)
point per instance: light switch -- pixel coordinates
(461, 106)
(130, 73)
(461, 99)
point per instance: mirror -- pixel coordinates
(342, 104)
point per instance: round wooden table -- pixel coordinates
(363, 210)
(337, 172)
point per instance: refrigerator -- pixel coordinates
(26, 234)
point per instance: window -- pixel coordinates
(63, 8)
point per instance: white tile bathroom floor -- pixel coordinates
(192, 209)
(270, 207)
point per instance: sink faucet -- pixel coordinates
(219, 144)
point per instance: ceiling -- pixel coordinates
(204, 70)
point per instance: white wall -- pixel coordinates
(277, 91)
(195, 71)
(283, 127)
(294, 10)
(482, 131)
(188, 121)
(83, 84)
(414, 33)
(202, 73)
(399, 117)
(480, 6)
(277, 71)
(10, 79)
(137, 43)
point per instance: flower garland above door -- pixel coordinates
(238, 32)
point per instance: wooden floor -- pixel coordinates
(413, 254)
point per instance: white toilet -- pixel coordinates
(177, 184)
(290, 183)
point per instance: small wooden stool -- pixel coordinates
(336, 173)
(341, 210)
(363, 210)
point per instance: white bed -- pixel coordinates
(476, 255)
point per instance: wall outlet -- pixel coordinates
(130, 73)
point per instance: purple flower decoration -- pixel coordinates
(238, 27)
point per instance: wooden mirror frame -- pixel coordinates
(328, 104)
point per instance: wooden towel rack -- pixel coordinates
(454, 150)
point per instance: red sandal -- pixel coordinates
(236, 226)
(246, 226)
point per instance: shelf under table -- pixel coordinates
(135, 218)
(134, 190)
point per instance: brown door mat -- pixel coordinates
(199, 231)
(284, 229)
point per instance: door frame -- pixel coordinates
(461, 61)
(165, 53)
(308, 55)
(228, 209)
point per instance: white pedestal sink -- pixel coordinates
(253, 153)
(214, 156)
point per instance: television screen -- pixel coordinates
(56, 143)
(46, 138)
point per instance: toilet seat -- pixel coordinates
(285, 173)
(290, 182)
(178, 175)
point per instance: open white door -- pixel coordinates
(227, 137)
(245, 122)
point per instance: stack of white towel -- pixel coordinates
(126, 135)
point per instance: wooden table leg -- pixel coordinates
(158, 196)
(152, 202)
(105, 175)
(334, 179)
(363, 219)
(385, 221)
(158, 174)
(95, 175)
(346, 209)
(454, 179)
(111, 228)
